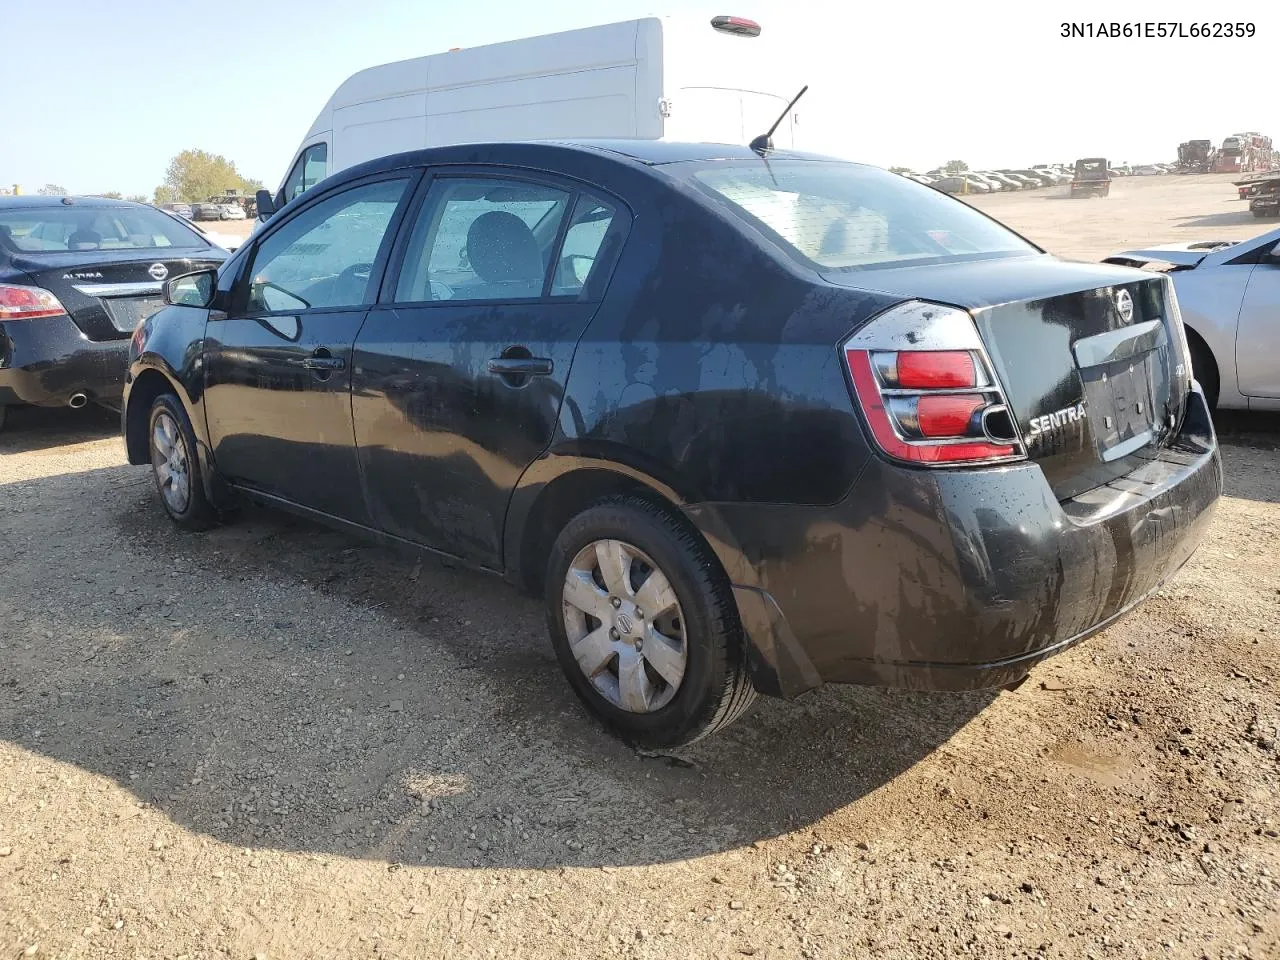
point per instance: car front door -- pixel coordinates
(460, 369)
(1258, 333)
(277, 365)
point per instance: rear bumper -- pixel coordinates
(957, 579)
(48, 360)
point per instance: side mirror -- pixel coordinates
(192, 289)
(266, 205)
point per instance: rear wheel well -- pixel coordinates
(1204, 367)
(563, 499)
(149, 385)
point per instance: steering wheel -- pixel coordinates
(356, 273)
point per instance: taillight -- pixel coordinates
(27, 303)
(925, 384)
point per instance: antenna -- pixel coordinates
(764, 143)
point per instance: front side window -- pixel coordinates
(311, 168)
(843, 216)
(315, 165)
(324, 256)
(482, 239)
(73, 227)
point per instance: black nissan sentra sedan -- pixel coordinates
(747, 423)
(77, 274)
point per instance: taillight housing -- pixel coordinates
(27, 303)
(925, 384)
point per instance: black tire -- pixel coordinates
(1204, 369)
(195, 512)
(716, 688)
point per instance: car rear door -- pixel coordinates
(277, 365)
(460, 369)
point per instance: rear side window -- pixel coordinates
(482, 239)
(324, 256)
(583, 244)
(74, 227)
(842, 216)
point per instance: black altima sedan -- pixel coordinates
(747, 423)
(77, 275)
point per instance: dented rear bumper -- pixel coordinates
(957, 579)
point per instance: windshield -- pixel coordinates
(68, 228)
(843, 216)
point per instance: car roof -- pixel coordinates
(37, 201)
(656, 152)
(648, 153)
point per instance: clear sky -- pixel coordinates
(99, 94)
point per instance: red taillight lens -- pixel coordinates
(936, 369)
(27, 303)
(930, 405)
(948, 416)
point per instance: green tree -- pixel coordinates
(52, 190)
(955, 166)
(112, 195)
(195, 175)
(164, 194)
(899, 169)
(138, 197)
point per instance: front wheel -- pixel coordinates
(644, 624)
(175, 466)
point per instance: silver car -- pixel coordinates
(1228, 294)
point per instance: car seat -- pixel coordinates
(84, 240)
(504, 255)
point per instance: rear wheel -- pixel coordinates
(175, 466)
(644, 624)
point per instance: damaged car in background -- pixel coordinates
(1229, 294)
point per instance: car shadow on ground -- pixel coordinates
(1240, 217)
(28, 429)
(273, 684)
(1257, 429)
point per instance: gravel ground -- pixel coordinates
(271, 740)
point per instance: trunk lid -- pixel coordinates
(109, 292)
(1091, 356)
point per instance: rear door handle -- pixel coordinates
(521, 366)
(324, 363)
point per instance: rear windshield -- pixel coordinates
(68, 228)
(843, 216)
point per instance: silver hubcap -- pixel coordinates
(624, 626)
(169, 461)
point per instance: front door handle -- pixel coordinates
(324, 363)
(521, 366)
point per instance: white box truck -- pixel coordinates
(669, 78)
